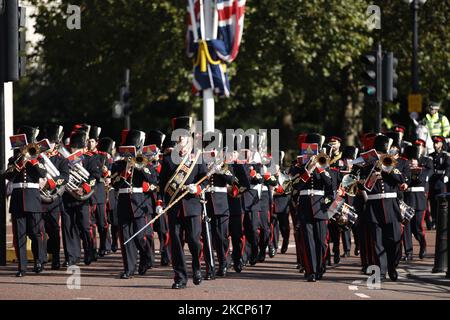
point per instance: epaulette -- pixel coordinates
(102, 153)
(88, 153)
(403, 158)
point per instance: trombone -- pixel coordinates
(29, 152)
(322, 160)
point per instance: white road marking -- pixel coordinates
(362, 295)
(353, 288)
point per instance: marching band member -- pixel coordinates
(312, 219)
(52, 211)
(421, 168)
(76, 220)
(183, 168)
(25, 169)
(128, 177)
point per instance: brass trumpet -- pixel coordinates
(322, 160)
(31, 151)
(140, 161)
(387, 163)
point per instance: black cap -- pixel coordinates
(135, 138)
(183, 122)
(412, 152)
(396, 138)
(382, 143)
(54, 133)
(154, 137)
(82, 126)
(106, 144)
(350, 152)
(78, 139)
(315, 138)
(30, 132)
(94, 132)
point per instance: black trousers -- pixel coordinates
(414, 227)
(28, 224)
(335, 236)
(436, 187)
(220, 225)
(129, 251)
(208, 246)
(236, 227)
(387, 245)
(297, 236)
(251, 225)
(100, 219)
(161, 227)
(265, 233)
(52, 228)
(314, 245)
(280, 222)
(193, 229)
(76, 224)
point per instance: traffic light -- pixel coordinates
(389, 77)
(370, 74)
(12, 41)
(125, 99)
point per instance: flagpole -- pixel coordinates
(208, 95)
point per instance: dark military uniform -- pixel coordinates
(218, 210)
(76, 220)
(26, 210)
(184, 215)
(383, 218)
(312, 219)
(280, 219)
(133, 214)
(265, 217)
(416, 197)
(441, 165)
(53, 211)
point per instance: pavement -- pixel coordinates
(275, 279)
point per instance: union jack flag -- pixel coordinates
(211, 56)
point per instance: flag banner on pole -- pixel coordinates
(18, 141)
(212, 56)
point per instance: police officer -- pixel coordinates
(52, 210)
(382, 209)
(440, 177)
(128, 177)
(436, 122)
(183, 168)
(312, 220)
(76, 220)
(421, 168)
(25, 169)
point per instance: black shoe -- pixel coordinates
(197, 278)
(20, 274)
(422, 253)
(222, 272)
(102, 253)
(143, 267)
(393, 275)
(238, 267)
(114, 248)
(88, 260)
(319, 276)
(125, 275)
(346, 254)
(356, 252)
(38, 268)
(364, 270)
(210, 276)
(178, 285)
(311, 278)
(261, 256)
(336, 257)
(284, 247)
(55, 262)
(298, 266)
(253, 260)
(94, 255)
(272, 252)
(164, 262)
(301, 269)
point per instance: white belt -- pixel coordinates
(25, 185)
(217, 189)
(416, 189)
(379, 196)
(439, 171)
(312, 192)
(256, 187)
(130, 190)
(265, 188)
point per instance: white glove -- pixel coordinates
(217, 168)
(192, 188)
(159, 210)
(445, 179)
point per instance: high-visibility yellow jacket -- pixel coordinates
(437, 124)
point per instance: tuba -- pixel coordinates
(49, 195)
(286, 182)
(77, 176)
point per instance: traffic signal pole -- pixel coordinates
(127, 106)
(379, 100)
(2, 180)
